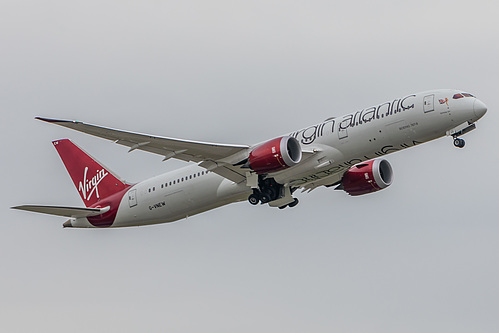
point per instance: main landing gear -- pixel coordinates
(270, 191)
(264, 196)
(291, 205)
(459, 143)
(254, 199)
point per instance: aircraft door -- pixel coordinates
(428, 103)
(132, 198)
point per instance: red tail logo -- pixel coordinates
(92, 180)
(89, 187)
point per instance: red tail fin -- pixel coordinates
(93, 181)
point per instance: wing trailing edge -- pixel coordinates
(218, 156)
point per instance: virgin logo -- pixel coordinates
(89, 186)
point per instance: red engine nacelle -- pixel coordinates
(275, 155)
(367, 177)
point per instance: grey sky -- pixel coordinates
(419, 256)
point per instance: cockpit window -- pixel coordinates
(458, 96)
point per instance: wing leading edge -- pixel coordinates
(215, 157)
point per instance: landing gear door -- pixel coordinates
(132, 198)
(428, 103)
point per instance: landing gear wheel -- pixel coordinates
(264, 198)
(282, 207)
(253, 199)
(294, 203)
(272, 193)
(459, 143)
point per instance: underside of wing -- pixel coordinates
(329, 182)
(73, 212)
(216, 157)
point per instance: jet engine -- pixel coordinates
(274, 155)
(367, 177)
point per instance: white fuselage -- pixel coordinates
(333, 146)
(176, 195)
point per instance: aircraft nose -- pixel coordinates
(480, 108)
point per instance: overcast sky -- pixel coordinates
(420, 256)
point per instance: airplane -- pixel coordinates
(341, 152)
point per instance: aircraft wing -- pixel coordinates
(215, 157)
(73, 212)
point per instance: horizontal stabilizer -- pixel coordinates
(73, 212)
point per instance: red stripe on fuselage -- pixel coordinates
(107, 219)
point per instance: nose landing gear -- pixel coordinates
(459, 143)
(461, 130)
